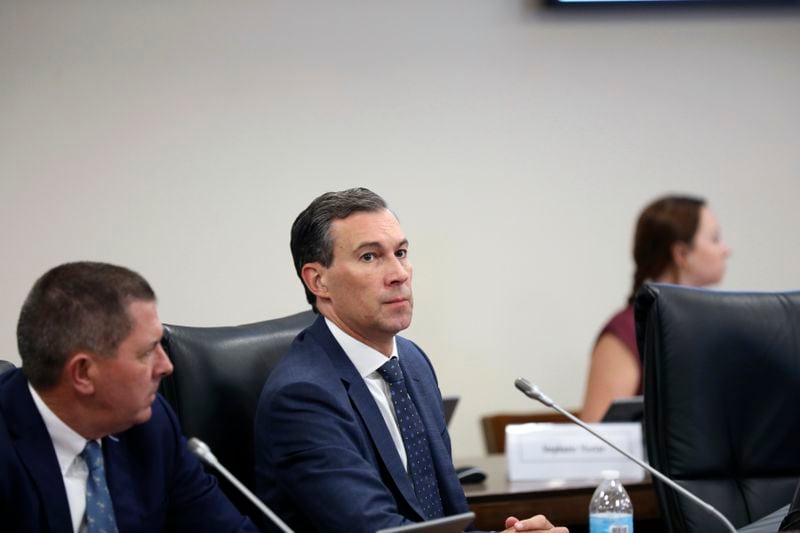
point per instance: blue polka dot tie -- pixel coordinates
(99, 511)
(415, 440)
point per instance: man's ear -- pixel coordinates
(680, 250)
(80, 372)
(313, 275)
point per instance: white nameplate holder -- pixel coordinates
(545, 452)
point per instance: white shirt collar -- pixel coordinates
(66, 441)
(365, 358)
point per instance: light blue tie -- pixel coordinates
(99, 510)
(415, 440)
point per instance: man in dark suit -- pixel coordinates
(86, 443)
(350, 431)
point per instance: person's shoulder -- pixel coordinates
(9, 376)
(6, 375)
(410, 346)
(16, 407)
(622, 319)
(412, 355)
(5, 379)
(623, 327)
(305, 354)
(306, 362)
(13, 393)
(5, 435)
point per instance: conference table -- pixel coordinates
(563, 502)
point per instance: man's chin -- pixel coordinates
(399, 323)
(143, 416)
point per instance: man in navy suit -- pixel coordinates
(86, 443)
(350, 431)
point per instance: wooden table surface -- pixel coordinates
(563, 502)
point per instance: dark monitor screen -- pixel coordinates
(448, 524)
(450, 403)
(629, 409)
(749, 4)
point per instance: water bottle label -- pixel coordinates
(611, 523)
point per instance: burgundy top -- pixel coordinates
(622, 327)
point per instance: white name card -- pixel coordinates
(565, 451)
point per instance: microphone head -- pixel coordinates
(524, 385)
(532, 391)
(201, 450)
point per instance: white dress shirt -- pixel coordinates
(367, 361)
(68, 445)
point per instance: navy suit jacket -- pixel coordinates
(324, 458)
(156, 484)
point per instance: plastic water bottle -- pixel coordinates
(610, 510)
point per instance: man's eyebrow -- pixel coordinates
(369, 244)
(376, 244)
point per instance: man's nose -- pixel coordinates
(163, 365)
(399, 271)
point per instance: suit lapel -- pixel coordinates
(35, 450)
(364, 404)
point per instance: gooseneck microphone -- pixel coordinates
(532, 391)
(201, 450)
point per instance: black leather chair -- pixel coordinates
(214, 389)
(721, 400)
(5, 365)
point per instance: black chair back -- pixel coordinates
(5, 365)
(214, 389)
(721, 400)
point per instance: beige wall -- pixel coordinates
(181, 139)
